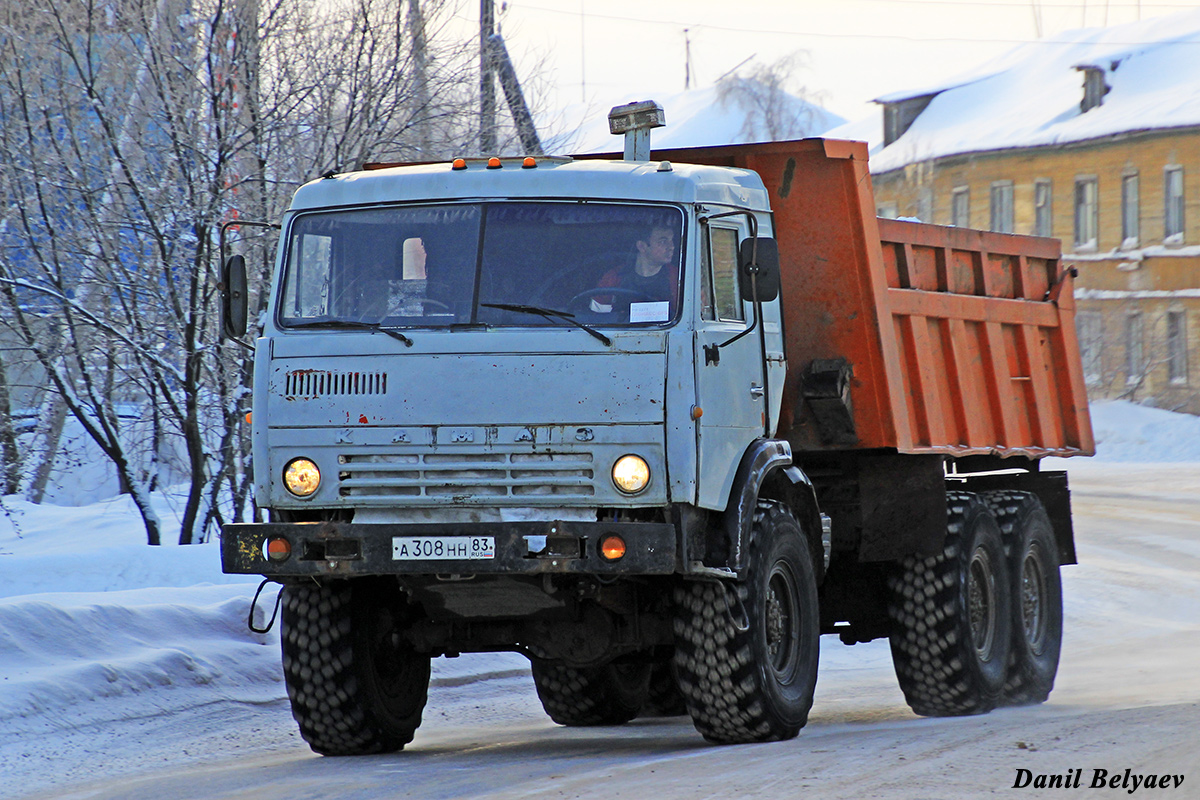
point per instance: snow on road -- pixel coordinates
(128, 672)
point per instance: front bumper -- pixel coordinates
(521, 548)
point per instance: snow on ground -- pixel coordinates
(96, 627)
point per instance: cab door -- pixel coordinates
(729, 378)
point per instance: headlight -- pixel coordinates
(301, 477)
(631, 474)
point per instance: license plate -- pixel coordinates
(443, 548)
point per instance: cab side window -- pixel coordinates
(721, 298)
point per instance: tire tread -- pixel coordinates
(928, 653)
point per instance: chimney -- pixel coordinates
(1094, 87)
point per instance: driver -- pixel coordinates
(647, 279)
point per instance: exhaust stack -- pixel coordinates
(636, 120)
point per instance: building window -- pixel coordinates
(1134, 359)
(1130, 219)
(1087, 210)
(1176, 347)
(960, 207)
(925, 205)
(1089, 326)
(1173, 213)
(1043, 222)
(1002, 207)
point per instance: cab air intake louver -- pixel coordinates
(319, 383)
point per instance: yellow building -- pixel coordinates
(1095, 140)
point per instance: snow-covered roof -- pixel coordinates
(1030, 96)
(695, 118)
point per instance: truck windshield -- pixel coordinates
(600, 264)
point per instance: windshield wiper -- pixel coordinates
(351, 323)
(550, 313)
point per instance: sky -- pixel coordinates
(849, 51)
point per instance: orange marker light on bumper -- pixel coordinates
(612, 547)
(278, 549)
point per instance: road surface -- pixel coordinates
(1127, 698)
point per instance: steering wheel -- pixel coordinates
(428, 302)
(610, 291)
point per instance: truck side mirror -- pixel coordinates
(766, 270)
(234, 302)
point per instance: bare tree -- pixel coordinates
(773, 104)
(130, 131)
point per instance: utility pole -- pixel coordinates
(487, 95)
(526, 131)
(582, 56)
(416, 33)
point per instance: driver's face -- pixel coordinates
(660, 246)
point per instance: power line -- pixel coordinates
(866, 36)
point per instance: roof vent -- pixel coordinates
(636, 120)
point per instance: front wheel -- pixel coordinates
(356, 686)
(746, 652)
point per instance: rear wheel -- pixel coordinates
(746, 652)
(611, 694)
(356, 686)
(665, 699)
(1032, 554)
(951, 617)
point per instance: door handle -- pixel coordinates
(756, 391)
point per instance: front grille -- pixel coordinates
(322, 383)
(462, 477)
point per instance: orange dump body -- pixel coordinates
(957, 341)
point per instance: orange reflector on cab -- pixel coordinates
(529, 162)
(612, 547)
(493, 163)
(249, 414)
(279, 549)
(459, 163)
(697, 412)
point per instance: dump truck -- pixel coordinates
(657, 421)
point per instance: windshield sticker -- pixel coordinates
(650, 312)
